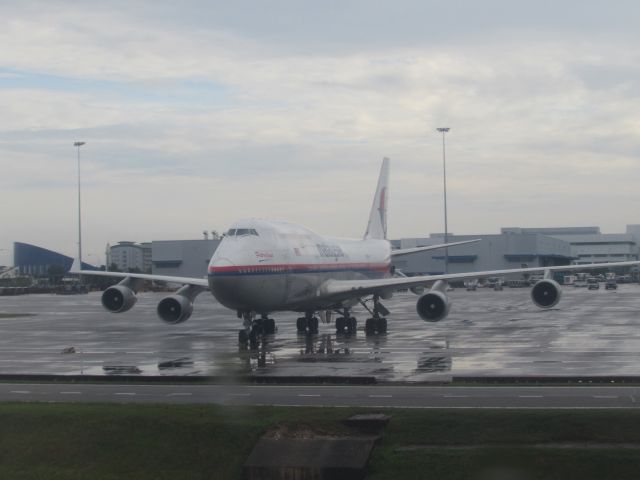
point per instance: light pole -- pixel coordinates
(444, 130)
(78, 145)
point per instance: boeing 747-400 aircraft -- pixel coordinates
(266, 266)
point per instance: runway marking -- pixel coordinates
(455, 396)
(530, 396)
(606, 396)
(177, 394)
(380, 396)
(20, 391)
(70, 393)
(308, 395)
(239, 394)
(124, 393)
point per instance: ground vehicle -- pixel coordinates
(611, 284)
(592, 283)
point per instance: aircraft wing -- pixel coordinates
(202, 282)
(404, 251)
(343, 289)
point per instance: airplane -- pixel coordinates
(265, 266)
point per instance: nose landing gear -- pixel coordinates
(307, 324)
(254, 328)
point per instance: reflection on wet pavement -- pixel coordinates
(487, 333)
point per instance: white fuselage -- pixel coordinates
(264, 266)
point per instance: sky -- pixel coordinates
(197, 113)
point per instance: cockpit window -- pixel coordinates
(246, 231)
(239, 232)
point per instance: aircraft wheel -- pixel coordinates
(313, 325)
(382, 325)
(243, 338)
(340, 324)
(369, 326)
(352, 325)
(253, 340)
(269, 326)
(301, 325)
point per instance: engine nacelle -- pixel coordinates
(434, 305)
(175, 309)
(119, 298)
(546, 293)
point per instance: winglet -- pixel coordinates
(405, 251)
(76, 266)
(377, 226)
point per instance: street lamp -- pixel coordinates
(78, 145)
(444, 130)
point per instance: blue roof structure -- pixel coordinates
(34, 260)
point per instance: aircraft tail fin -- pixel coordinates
(377, 226)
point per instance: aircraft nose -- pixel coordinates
(221, 265)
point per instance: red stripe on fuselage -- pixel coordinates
(288, 267)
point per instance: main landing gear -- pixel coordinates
(254, 328)
(346, 324)
(377, 324)
(307, 324)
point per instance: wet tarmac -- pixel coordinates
(488, 333)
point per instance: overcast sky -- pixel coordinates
(197, 113)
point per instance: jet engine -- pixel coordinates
(175, 309)
(546, 293)
(434, 305)
(119, 298)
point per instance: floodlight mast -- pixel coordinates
(444, 130)
(78, 145)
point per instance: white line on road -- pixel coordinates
(239, 394)
(456, 396)
(70, 393)
(183, 394)
(530, 396)
(124, 393)
(380, 396)
(307, 395)
(20, 391)
(605, 396)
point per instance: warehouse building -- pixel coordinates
(492, 252)
(182, 258)
(589, 245)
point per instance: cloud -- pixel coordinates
(197, 114)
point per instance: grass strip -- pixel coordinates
(79, 441)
